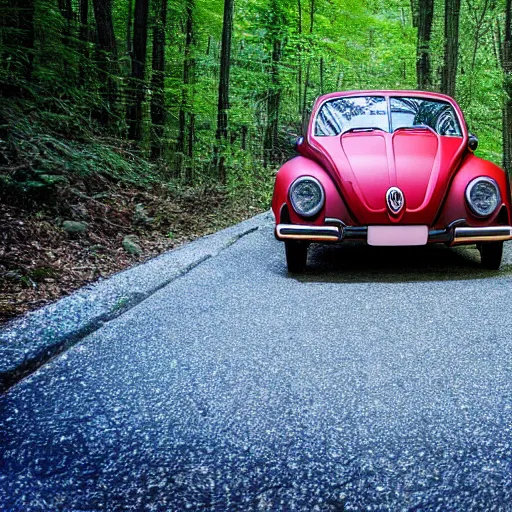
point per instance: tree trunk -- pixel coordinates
(507, 110)
(308, 67)
(83, 12)
(107, 61)
(499, 42)
(23, 21)
(17, 46)
(322, 73)
(299, 54)
(223, 102)
(415, 11)
(129, 25)
(66, 10)
(423, 68)
(134, 113)
(274, 98)
(189, 169)
(451, 47)
(480, 28)
(188, 81)
(339, 79)
(84, 37)
(186, 118)
(158, 81)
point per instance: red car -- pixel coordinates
(390, 168)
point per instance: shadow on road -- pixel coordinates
(361, 263)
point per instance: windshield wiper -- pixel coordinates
(362, 129)
(416, 127)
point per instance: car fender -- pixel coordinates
(302, 166)
(455, 206)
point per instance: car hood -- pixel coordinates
(366, 164)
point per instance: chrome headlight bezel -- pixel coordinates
(470, 188)
(320, 204)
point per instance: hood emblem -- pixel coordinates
(395, 200)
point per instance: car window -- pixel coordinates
(339, 115)
(438, 115)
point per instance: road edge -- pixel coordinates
(31, 341)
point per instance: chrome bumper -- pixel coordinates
(450, 235)
(310, 233)
(490, 234)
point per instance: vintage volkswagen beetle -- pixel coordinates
(390, 168)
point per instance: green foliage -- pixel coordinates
(43, 150)
(51, 133)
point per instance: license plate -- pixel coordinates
(397, 235)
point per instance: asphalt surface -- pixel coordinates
(378, 380)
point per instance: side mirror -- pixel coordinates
(472, 142)
(298, 142)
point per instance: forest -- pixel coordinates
(111, 108)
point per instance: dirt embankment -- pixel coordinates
(47, 252)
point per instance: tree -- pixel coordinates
(129, 24)
(107, 60)
(134, 114)
(308, 67)
(83, 12)
(23, 22)
(423, 68)
(66, 8)
(223, 101)
(276, 26)
(451, 46)
(186, 116)
(84, 37)
(200, 85)
(299, 54)
(158, 80)
(478, 12)
(507, 110)
(415, 8)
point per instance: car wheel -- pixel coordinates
(491, 254)
(296, 256)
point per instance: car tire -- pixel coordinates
(491, 254)
(296, 256)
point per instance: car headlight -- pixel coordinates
(307, 196)
(483, 196)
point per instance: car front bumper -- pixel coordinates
(452, 235)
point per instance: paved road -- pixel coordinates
(364, 385)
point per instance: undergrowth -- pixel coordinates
(43, 150)
(48, 148)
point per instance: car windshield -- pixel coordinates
(371, 112)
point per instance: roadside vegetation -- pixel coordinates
(130, 126)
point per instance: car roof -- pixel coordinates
(386, 92)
